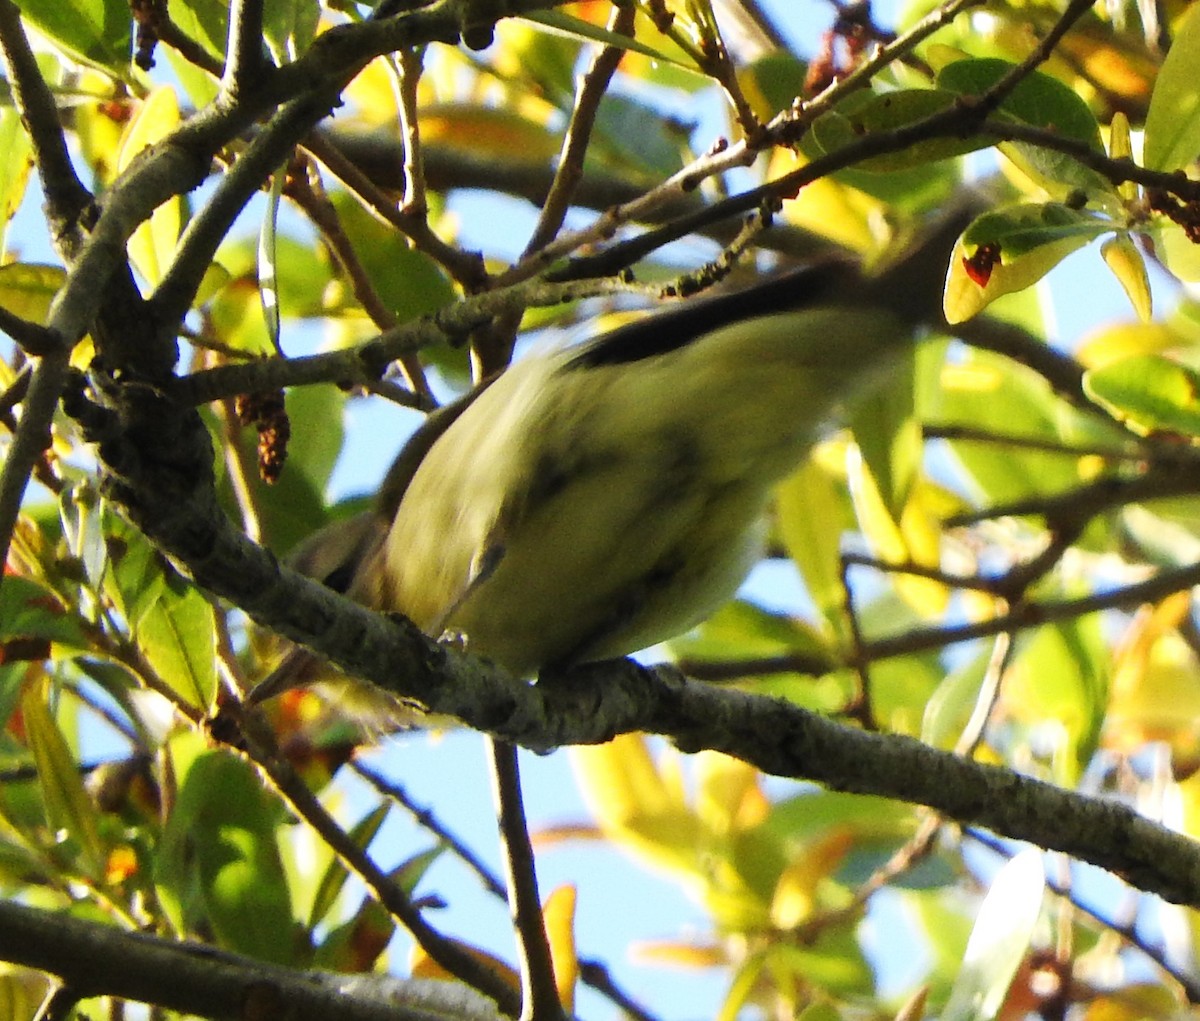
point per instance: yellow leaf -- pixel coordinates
(729, 797)
(1155, 694)
(558, 914)
(1114, 343)
(796, 892)
(913, 539)
(1129, 268)
(421, 965)
(153, 243)
(635, 805)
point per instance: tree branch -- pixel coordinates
(95, 960)
(160, 463)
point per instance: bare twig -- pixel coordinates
(539, 999)
(66, 197)
(593, 973)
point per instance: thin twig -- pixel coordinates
(66, 197)
(32, 338)
(593, 973)
(366, 362)
(972, 434)
(1125, 931)
(447, 953)
(409, 64)
(593, 86)
(539, 999)
(425, 818)
(170, 34)
(465, 268)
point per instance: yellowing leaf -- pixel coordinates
(729, 794)
(421, 965)
(1149, 393)
(796, 893)
(27, 289)
(1113, 343)
(1128, 266)
(634, 805)
(153, 243)
(913, 539)
(1155, 684)
(558, 915)
(1010, 249)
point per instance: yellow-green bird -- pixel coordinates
(597, 499)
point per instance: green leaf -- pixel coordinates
(561, 23)
(867, 113)
(999, 940)
(1041, 102)
(741, 630)
(888, 435)
(29, 611)
(1172, 139)
(334, 878)
(16, 160)
(289, 26)
(1149, 393)
(812, 504)
(136, 573)
(178, 636)
(27, 289)
(218, 866)
(67, 805)
(96, 32)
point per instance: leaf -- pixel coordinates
(152, 244)
(135, 575)
(812, 507)
(1041, 102)
(268, 260)
(289, 27)
(178, 636)
(868, 113)
(1010, 249)
(999, 940)
(562, 23)
(97, 32)
(1149, 393)
(558, 915)
(67, 805)
(218, 866)
(1129, 267)
(334, 878)
(29, 611)
(27, 289)
(16, 161)
(1172, 134)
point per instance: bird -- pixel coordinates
(596, 499)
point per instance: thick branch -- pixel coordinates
(94, 960)
(161, 474)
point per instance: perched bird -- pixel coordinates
(597, 499)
